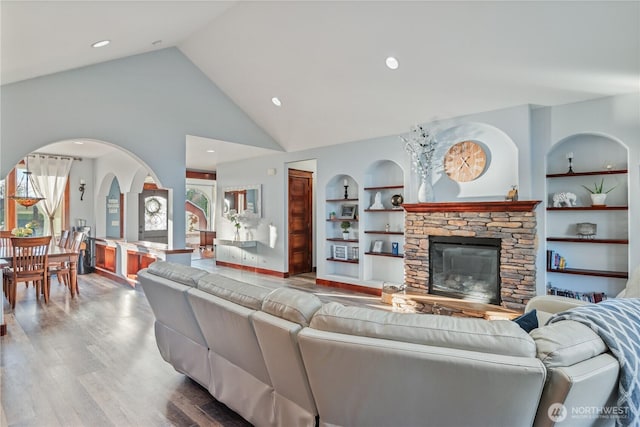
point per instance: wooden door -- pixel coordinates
(300, 221)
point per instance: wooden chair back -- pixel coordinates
(64, 238)
(30, 258)
(75, 241)
(5, 238)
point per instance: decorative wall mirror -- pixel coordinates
(245, 200)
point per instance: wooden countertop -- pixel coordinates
(141, 246)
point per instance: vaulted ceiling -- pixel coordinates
(325, 60)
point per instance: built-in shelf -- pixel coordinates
(348, 261)
(386, 187)
(597, 273)
(340, 239)
(584, 240)
(590, 208)
(341, 219)
(568, 175)
(237, 243)
(342, 200)
(384, 210)
(387, 254)
(396, 233)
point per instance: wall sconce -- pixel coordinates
(81, 189)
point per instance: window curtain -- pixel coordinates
(49, 177)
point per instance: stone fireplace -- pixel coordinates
(511, 225)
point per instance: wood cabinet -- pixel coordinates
(105, 257)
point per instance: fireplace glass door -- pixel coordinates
(466, 268)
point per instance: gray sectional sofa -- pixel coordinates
(283, 358)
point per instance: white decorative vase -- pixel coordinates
(236, 236)
(345, 235)
(598, 199)
(425, 191)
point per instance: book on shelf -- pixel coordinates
(584, 296)
(555, 261)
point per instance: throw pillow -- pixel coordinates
(528, 321)
(633, 285)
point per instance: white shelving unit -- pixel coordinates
(339, 203)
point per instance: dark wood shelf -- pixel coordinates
(396, 233)
(597, 273)
(585, 240)
(386, 187)
(341, 219)
(348, 261)
(387, 254)
(340, 239)
(384, 210)
(590, 208)
(341, 200)
(569, 175)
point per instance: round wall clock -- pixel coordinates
(465, 161)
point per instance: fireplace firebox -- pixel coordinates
(465, 267)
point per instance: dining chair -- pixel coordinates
(5, 241)
(64, 237)
(29, 264)
(63, 270)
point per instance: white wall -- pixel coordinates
(83, 209)
(145, 104)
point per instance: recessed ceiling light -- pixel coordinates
(101, 43)
(392, 63)
(211, 151)
(78, 142)
(276, 101)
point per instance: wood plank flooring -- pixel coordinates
(93, 360)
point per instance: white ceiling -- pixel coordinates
(325, 59)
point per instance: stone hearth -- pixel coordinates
(512, 222)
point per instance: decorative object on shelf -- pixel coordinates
(340, 252)
(570, 158)
(598, 194)
(512, 195)
(608, 165)
(346, 189)
(332, 215)
(396, 201)
(235, 221)
(348, 211)
(395, 247)
(564, 198)
(345, 229)
(377, 202)
(354, 251)
(586, 230)
(387, 228)
(376, 246)
(465, 161)
(26, 200)
(421, 146)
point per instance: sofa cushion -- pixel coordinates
(291, 304)
(180, 273)
(244, 294)
(495, 336)
(566, 343)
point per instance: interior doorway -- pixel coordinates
(300, 219)
(153, 222)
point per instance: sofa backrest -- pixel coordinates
(284, 313)
(495, 336)
(165, 285)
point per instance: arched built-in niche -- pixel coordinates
(382, 225)
(113, 211)
(597, 262)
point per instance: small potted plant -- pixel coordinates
(598, 193)
(332, 215)
(345, 229)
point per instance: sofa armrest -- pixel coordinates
(546, 305)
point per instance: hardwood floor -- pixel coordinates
(93, 360)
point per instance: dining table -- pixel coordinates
(56, 255)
